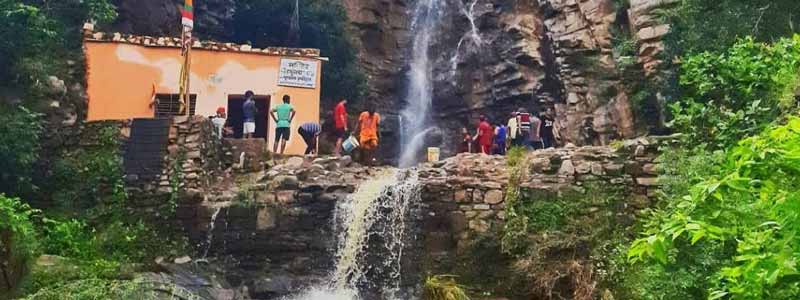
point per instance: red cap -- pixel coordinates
(221, 110)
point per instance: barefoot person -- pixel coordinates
(466, 141)
(310, 132)
(484, 136)
(249, 111)
(340, 122)
(283, 115)
(220, 121)
(369, 134)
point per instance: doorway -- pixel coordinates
(236, 115)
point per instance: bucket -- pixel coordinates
(433, 154)
(350, 144)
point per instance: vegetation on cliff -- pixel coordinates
(323, 25)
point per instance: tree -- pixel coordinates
(323, 25)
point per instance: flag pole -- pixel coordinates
(187, 24)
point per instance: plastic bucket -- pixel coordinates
(433, 154)
(350, 144)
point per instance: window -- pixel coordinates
(169, 105)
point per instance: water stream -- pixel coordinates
(372, 223)
(210, 233)
(426, 18)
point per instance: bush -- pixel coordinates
(736, 93)
(443, 287)
(745, 217)
(91, 177)
(19, 149)
(18, 239)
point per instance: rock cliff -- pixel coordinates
(493, 56)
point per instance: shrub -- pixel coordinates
(443, 287)
(18, 239)
(19, 149)
(746, 215)
(736, 93)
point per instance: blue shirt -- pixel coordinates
(311, 127)
(500, 138)
(249, 108)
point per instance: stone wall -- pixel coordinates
(273, 229)
(194, 157)
(466, 195)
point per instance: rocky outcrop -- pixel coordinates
(466, 194)
(534, 54)
(649, 31)
(162, 18)
(381, 33)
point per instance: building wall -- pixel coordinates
(121, 79)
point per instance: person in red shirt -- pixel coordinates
(484, 135)
(340, 122)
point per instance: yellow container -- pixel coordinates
(433, 154)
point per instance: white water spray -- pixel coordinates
(426, 17)
(210, 233)
(379, 208)
(473, 36)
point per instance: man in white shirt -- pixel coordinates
(512, 130)
(220, 121)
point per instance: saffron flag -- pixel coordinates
(187, 14)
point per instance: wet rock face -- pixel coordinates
(162, 18)
(521, 53)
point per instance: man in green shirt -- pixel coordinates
(283, 115)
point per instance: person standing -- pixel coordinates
(466, 141)
(220, 122)
(310, 133)
(283, 115)
(369, 134)
(528, 129)
(548, 126)
(500, 139)
(249, 111)
(484, 135)
(512, 131)
(340, 123)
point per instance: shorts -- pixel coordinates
(369, 143)
(339, 133)
(282, 133)
(249, 127)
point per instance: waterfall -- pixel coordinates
(426, 17)
(473, 36)
(371, 223)
(210, 233)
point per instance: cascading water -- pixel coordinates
(371, 223)
(426, 18)
(473, 36)
(210, 234)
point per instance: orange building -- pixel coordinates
(137, 77)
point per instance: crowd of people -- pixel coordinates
(367, 132)
(522, 129)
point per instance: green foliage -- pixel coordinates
(701, 25)
(18, 237)
(443, 287)
(737, 92)
(38, 37)
(96, 288)
(746, 215)
(91, 177)
(323, 25)
(19, 149)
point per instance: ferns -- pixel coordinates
(443, 287)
